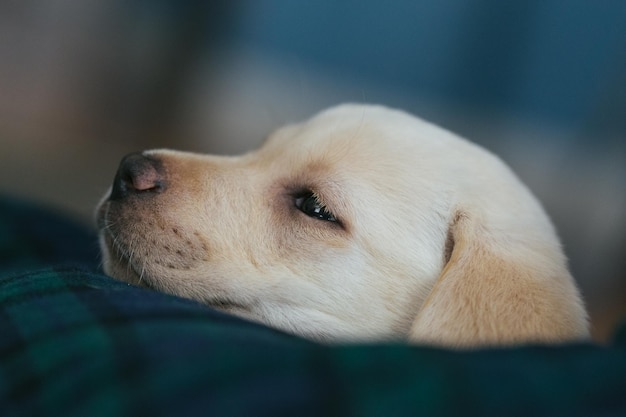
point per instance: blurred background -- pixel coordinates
(540, 82)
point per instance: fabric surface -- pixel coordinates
(74, 342)
(32, 236)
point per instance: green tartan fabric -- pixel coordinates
(74, 342)
(32, 236)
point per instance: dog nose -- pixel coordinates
(138, 174)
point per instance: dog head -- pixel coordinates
(363, 223)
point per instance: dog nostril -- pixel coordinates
(137, 174)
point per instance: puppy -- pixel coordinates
(361, 224)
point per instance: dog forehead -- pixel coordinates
(355, 133)
(369, 152)
(393, 152)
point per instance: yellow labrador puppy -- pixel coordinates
(361, 224)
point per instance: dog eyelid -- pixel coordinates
(309, 204)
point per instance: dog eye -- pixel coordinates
(311, 206)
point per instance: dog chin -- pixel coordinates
(122, 270)
(117, 265)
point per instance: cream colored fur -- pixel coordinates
(437, 241)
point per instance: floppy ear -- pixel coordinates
(488, 296)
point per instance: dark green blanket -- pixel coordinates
(76, 343)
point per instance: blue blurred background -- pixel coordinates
(540, 82)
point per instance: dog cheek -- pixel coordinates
(159, 241)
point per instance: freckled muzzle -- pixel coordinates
(140, 226)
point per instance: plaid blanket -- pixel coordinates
(74, 342)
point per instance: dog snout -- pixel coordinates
(138, 174)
